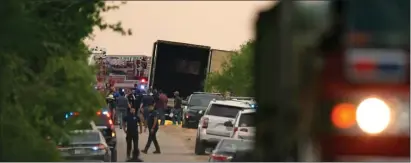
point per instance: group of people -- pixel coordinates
(134, 108)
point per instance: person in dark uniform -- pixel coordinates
(177, 110)
(130, 128)
(131, 99)
(146, 103)
(152, 125)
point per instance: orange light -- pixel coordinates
(108, 115)
(99, 113)
(110, 122)
(76, 113)
(343, 115)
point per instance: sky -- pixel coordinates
(223, 25)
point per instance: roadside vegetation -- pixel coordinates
(237, 74)
(44, 72)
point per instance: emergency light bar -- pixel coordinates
(376, 65)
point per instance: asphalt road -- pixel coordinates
(173, 148)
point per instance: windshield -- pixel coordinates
(246, 120)
(85, 137)
(224, 111)
(383, 23)
(203, 99)
(229, 145)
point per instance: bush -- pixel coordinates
(237, 74)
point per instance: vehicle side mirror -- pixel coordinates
(228, 124)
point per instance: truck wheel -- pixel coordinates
(199, 147)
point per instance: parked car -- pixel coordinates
(85, 145)
(105, 125)
(243, 125)
(211, 128)
(195, 107)
(227, 148)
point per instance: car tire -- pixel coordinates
(199, 147)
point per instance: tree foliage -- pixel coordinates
(44, 72)
(237, 74)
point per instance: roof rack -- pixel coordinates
(206, 93)
(241, 98)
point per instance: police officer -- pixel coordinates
(130, 128)
(152, 125)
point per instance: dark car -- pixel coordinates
(106, 127)
(85, 145)
(197, 103)
(227, 148)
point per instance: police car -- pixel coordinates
(215, 124)
(244, 127)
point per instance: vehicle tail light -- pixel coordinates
(99, 147)
(343, 115)
(187, 116)
(205, 123)
(244, 130)
(235, 130)
(110, 122)
(217, 157)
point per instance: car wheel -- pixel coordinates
(199, 147)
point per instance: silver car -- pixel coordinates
(85, 145)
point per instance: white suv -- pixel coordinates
(244, 127)
(213, 125)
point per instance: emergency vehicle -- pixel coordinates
(365, 83)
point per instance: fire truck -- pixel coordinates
(362, 111)
(366, 84)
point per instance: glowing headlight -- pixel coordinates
(373, 115)
(142, 87)
(200, 112)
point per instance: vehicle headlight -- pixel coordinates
(200, 112)
(373, 115)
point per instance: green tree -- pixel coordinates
(237, 74)
(44, 72)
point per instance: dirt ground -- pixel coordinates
(187, 135)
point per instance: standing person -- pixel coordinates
(139, 97)
(152, 125)
(161, 106)
(131, 99)
(155, 95)
(177, 108)
(146, 102)
(122, 105)
(130, 128)
(111, 103)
